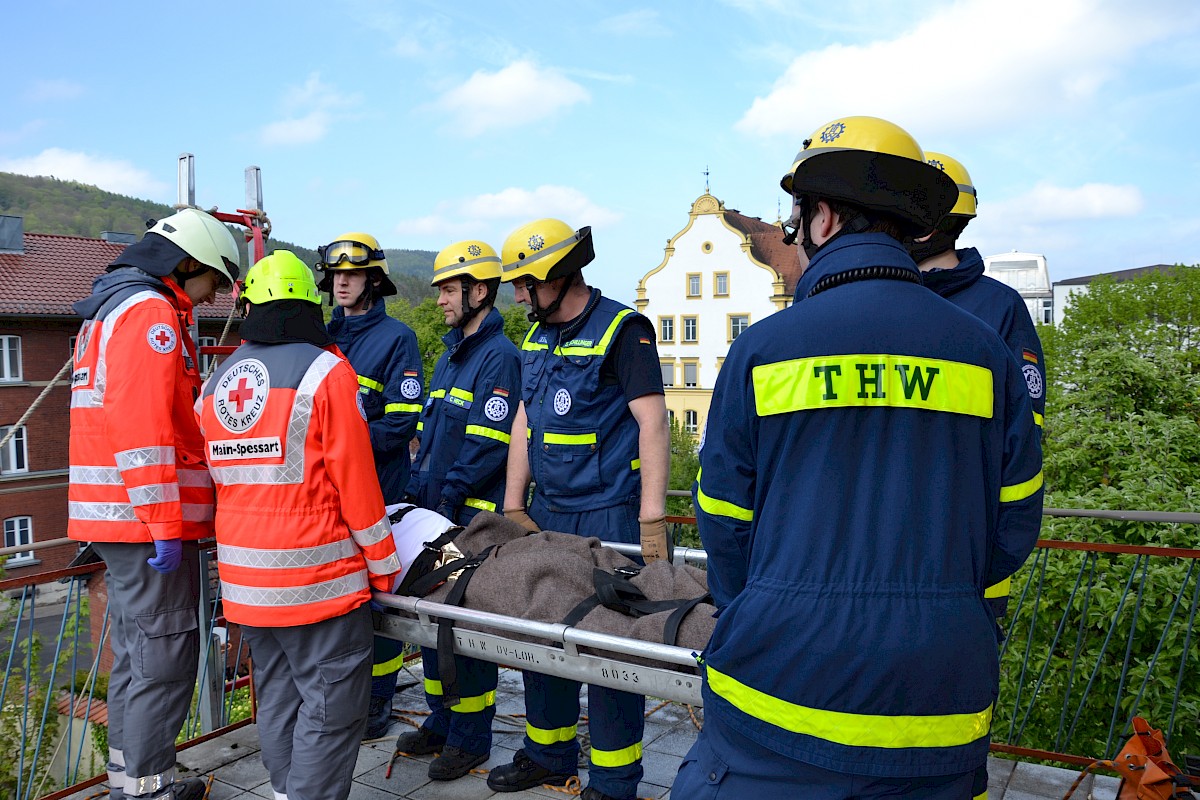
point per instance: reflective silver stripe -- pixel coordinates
(86, 398)
(110, 322)
(285, 559)
(194, 477)
(144, 457)
(295, 595)
(516, 266)
(464, 264)
(101, 512)
(197, 512)
(96, 476)
(149, 784)
(386, 566)
(154, 493)
(292, 468)
(374, 534)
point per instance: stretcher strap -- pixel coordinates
(619, 593)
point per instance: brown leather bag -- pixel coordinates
(1146, 769)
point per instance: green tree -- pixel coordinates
(685, 463)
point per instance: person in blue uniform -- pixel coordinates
(591, 432)
(869, 466)
(459, 471)
(957, 275)
(383, 351)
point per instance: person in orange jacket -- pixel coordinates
(302, 534)
(139, 487)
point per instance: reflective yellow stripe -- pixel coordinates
(1039, 420)
(855, 730)
(420, 426)
(387, 667)
(601, 346)
(719, 507)
(1011, 494)
(569, 438)
(529, 344)
(932, 384)
(491, 433)
(370, 384)
(462, 394)
(617, 758)
(436, 393)
(635, 464)
(482, 505)
(982, 796)
(529, 433)
(467, 705)
(1001, 589)
(549, 736)
(412, 408)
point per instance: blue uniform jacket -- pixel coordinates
(383, 351)
(870, 465)
(1001, 307)
(583, 439)
(466, 425)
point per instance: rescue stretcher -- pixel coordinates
(560, 655)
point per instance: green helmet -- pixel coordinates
(280, 276)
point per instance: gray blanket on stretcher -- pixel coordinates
(543, 576)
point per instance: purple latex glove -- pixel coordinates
(168, 554)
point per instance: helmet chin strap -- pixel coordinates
(856, 224)
(536, 312)
(468, 313)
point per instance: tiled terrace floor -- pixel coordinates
(233, 760)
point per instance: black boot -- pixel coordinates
(594, 794)
(454, 763)
(379, 717)
(420, 742)
(524, 774)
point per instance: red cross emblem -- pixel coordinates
(241, 394)
(163, 338)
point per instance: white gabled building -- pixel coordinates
(720, 274)
(1081, 285)
(1027, 273)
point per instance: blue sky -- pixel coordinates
(429, 122)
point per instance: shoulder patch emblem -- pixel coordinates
(410, 388)
(562, 402)
(495, 409)
(161, 337)
(358, 401)
(241, 395)
(1033, 380)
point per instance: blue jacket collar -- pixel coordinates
(340, 323)
(947, 282)
(458, 345)
(851, 252)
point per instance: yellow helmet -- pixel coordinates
(876, 165)
(354, 251)
(471, 258)
(280, 276)
(967, 197)
(545, 250)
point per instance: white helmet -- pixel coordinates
(204, 238)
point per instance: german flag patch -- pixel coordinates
(644, 340)
(501, 392)
(410, 373)
(1029, 356)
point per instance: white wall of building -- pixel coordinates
(1029, 275)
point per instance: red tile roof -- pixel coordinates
(56, 271)
(93, 708)
(766, 244)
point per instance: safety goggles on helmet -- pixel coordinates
(345, 251)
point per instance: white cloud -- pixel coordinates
(642, 22)
(974, 65)
(519, 94)
(309, 110)
(50, 91)
(502, 211)
(113, 175)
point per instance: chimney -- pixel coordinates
(112, 237)
(12, 234)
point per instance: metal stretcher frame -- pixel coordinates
(562, 659)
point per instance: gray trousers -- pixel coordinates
(313, 684)
(155, 641)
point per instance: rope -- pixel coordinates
(12, 431)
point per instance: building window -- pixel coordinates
(1047, 311)
(14, 457)
(207, 361)
(693, 284)
(666, 329)
(691, 329)
(691, 371)
(720, 363)
(721, 284)
(18, 531)
(668, 373)
(737, 325)
(72, 343)
(691, 422)
(10, 358)
(706, 247)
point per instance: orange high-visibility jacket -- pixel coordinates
(137, 465)
(302, 534)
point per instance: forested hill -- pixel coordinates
(67, 208)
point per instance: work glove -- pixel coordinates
(448, 510)
(168, 555)
(521, 517)
(656, 545)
